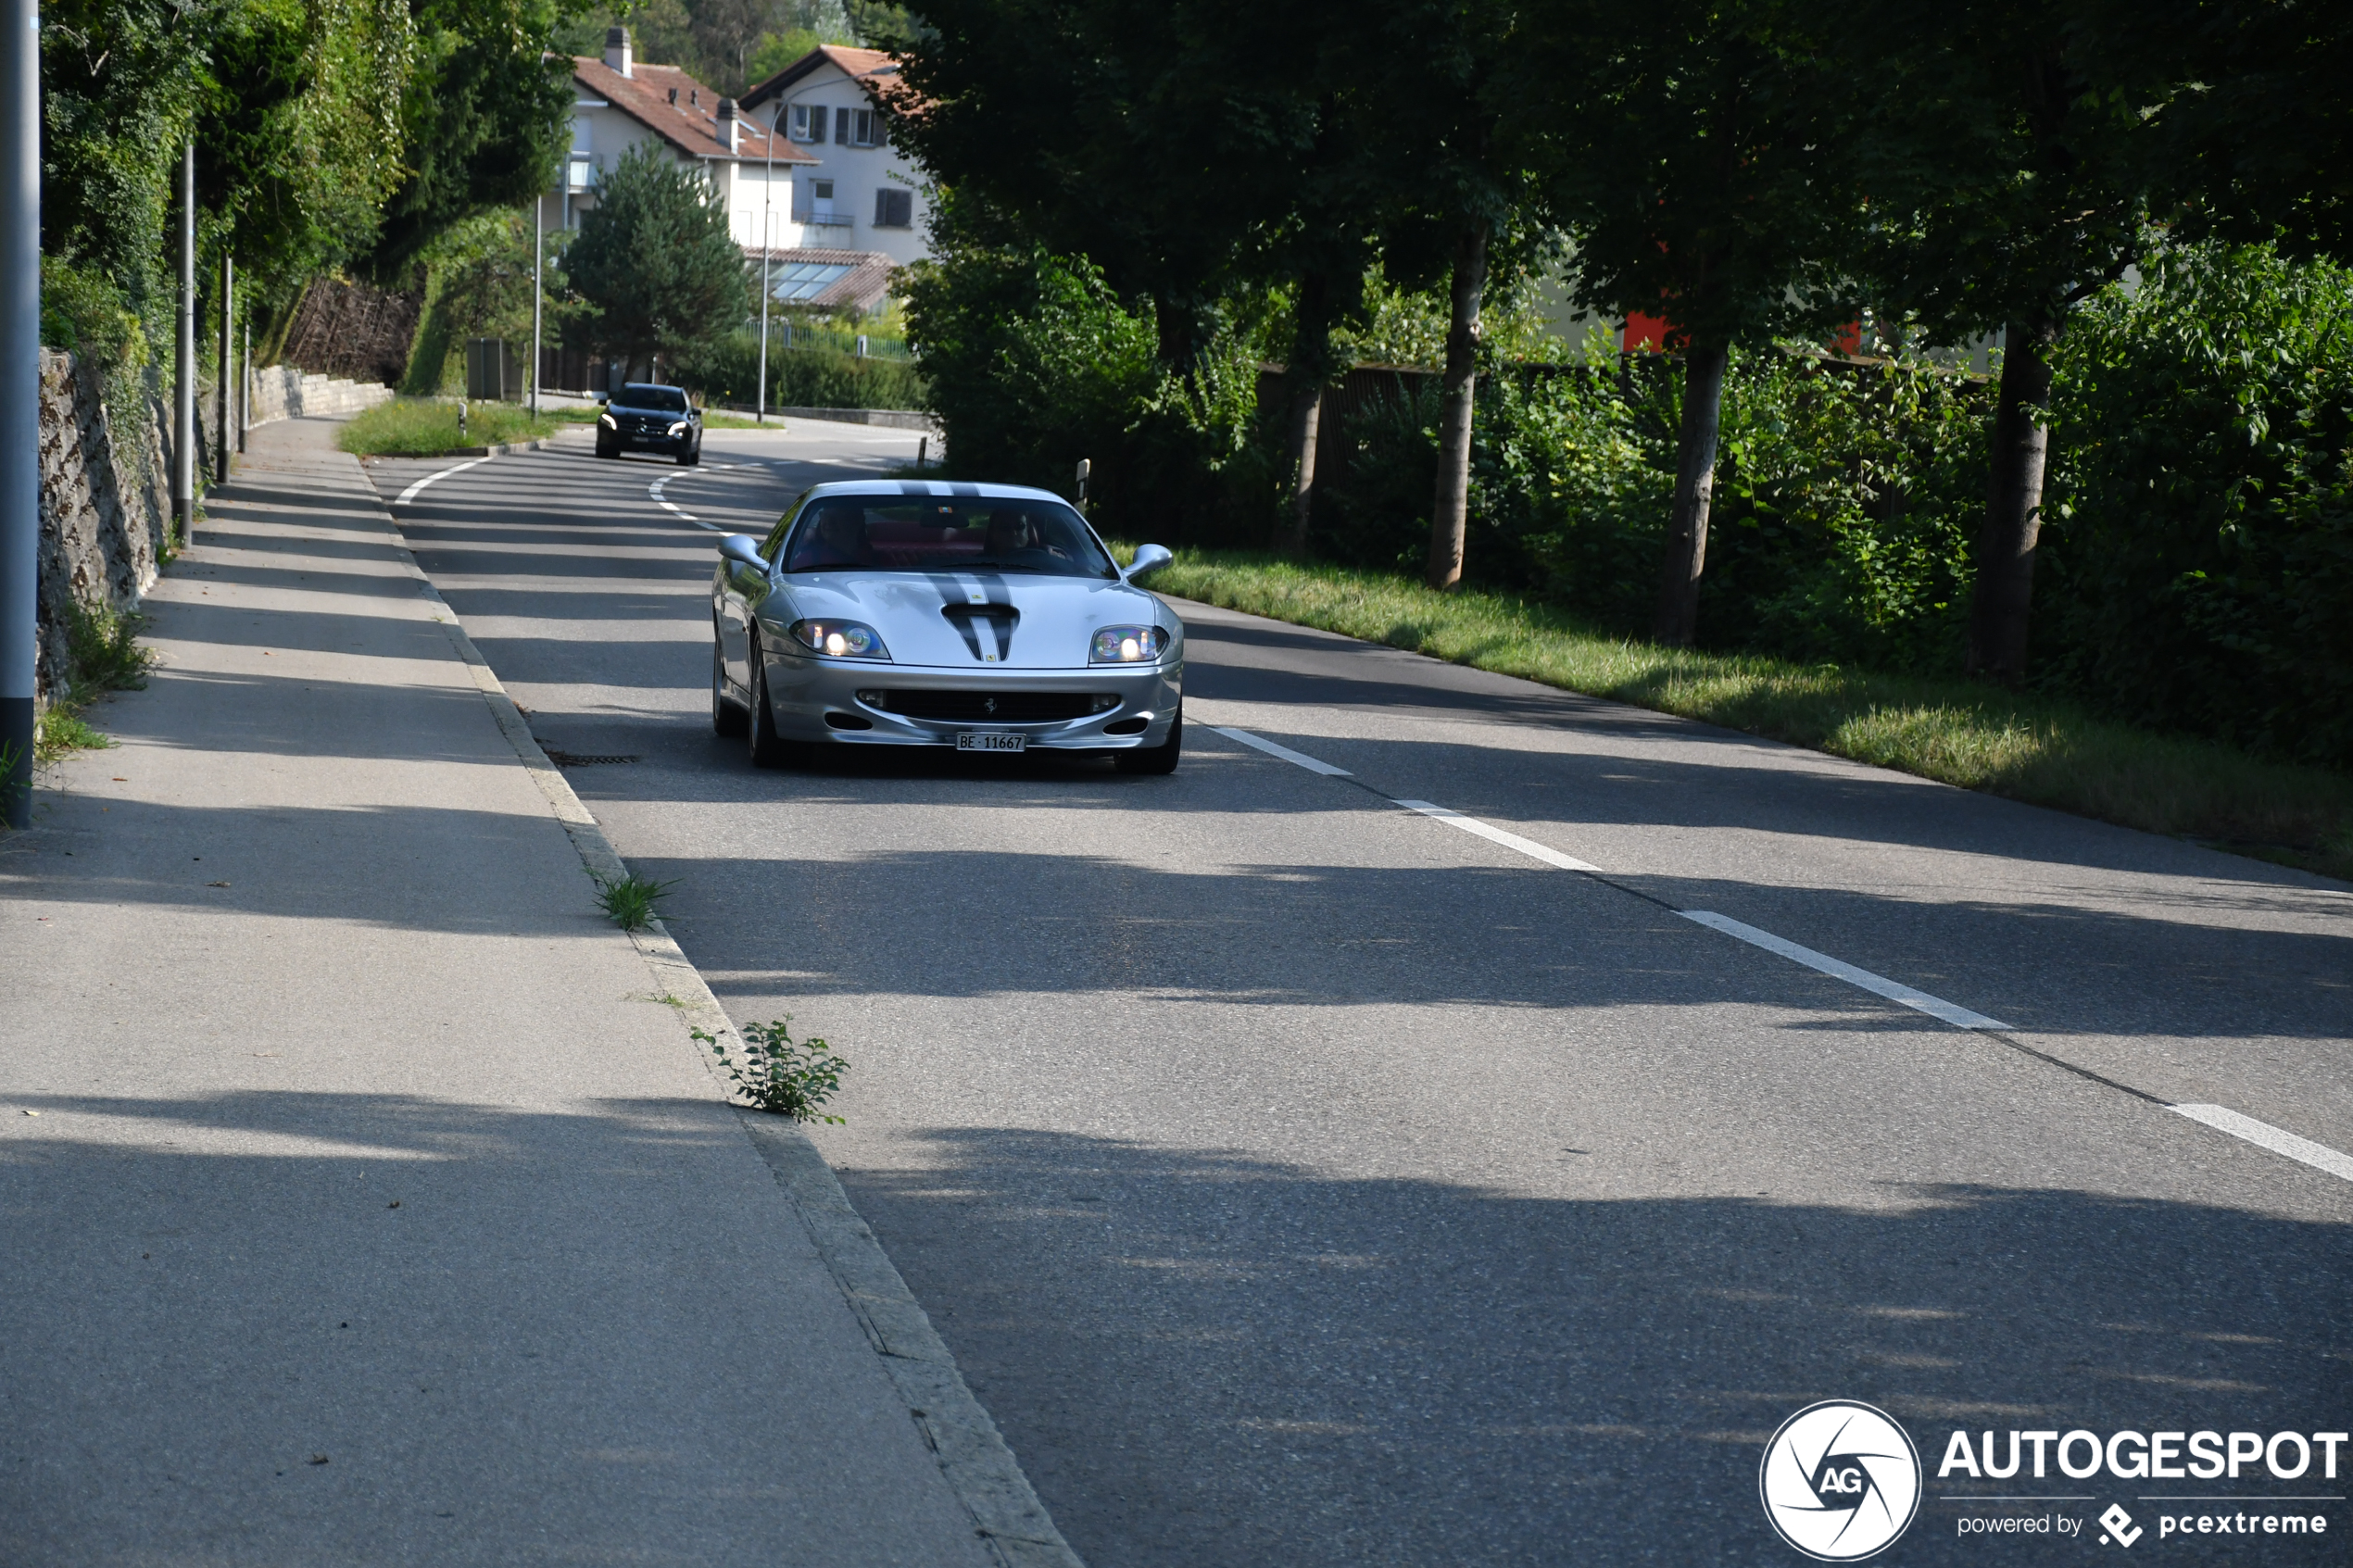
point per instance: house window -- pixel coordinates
(894, 207)
(865, 128)
(809, 122)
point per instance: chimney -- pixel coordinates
(617, 49)
(730, 129)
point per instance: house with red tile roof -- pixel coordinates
(860, 193)
(782, 186)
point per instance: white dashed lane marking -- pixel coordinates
(1296, 759)
(1879, 986)
(2280, 1141)
(2262, 1135)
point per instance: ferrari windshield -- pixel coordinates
(904, 534)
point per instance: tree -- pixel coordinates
(654, 264)
(294, 105)
(485, 119)
(1700, 161)
(2014, 179)
(1437, 71)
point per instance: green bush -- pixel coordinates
(1844, 498)
(1033, 363)
(2198, 563)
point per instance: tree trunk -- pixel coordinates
(2004, 597)
(1703, 366)
(1304, 379)
(1451, 509)
(1306, 420)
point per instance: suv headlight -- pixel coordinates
(678, 427)
(608, 421)
(1127, 644)
(839, 639)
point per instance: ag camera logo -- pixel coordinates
(1840, 1481)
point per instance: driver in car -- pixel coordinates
(837, 537)
(1013, 541)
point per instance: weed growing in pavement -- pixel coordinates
(102, 655)
(632, 903)
(60, 730)
(780, 1076)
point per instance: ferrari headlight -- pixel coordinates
(1127, 644)
(608, 421)
(678, 429)
(839, 639)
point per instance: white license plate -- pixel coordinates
(979, 740)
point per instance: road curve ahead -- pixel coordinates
(1452, 1122)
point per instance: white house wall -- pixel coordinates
(604, 133)
(857, 174)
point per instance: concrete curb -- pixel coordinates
(972, 1454)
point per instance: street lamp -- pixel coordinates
(767, 195)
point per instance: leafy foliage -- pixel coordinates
(780, 1075)
(484, 121)
(2201, 548)
(654, 264)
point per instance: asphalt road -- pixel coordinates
(1299, 1179)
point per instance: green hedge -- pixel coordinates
(803, 378)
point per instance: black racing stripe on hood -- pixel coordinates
(1000, 627)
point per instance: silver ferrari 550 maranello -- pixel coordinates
(909, 612)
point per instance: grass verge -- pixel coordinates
(420, 427)
(2029, 748)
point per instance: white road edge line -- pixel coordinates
(2280, 1141)
(1935, 1007)
(1526, 846)
(1296, 759)
(411, 494)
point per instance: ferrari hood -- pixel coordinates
(962, 619)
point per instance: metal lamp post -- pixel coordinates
(183, 400)
(767, 197)
(19, 403)
(538, 226)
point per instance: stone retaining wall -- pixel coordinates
(105, 483)
(282, 392)
(106, 505)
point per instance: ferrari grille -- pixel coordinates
(1006, 707)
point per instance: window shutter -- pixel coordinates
(841, 126)
(882, 210)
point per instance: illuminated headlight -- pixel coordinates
(678, 429)
(839, 639)
(1127, 644)
(608, 421)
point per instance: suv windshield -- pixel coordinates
(892, 533)
(658, 399)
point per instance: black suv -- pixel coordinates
(643, 417)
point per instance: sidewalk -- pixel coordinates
(359, 1203)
